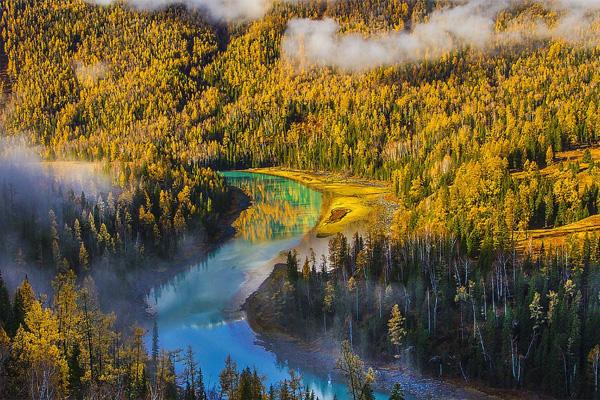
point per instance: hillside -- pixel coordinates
(126, 84)
(578, 167)
(462, 137)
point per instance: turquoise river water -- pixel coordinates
(197, 307)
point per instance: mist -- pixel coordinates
(33, 183)
(222, 10)
(29, 189)
(468, 24)
(24, 187)
(465, 24)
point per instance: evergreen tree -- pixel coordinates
(245, 386)
(5, 306)
(190, 375)
(24, 298)
(201, 389)
(367, 392)
(228, 378)
(397, 392)
(292, 266)
(155, 345)
(76, 373)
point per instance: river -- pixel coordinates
(199, 307)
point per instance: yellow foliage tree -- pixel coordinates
(36, 347)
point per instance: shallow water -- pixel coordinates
(194, 308)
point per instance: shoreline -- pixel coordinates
(322, 352)
(136, 285)
(349, 203)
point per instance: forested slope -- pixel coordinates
(465, 134)
(104, 97)
(121, 84)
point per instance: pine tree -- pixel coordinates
(155, 345)
(5, 305)
(55, 240)
(367, 392)
(76, 373)
(397, 392)
(396, 331)
(244, 390)
(228, 378)
(292, 266)
(165, 377)
(271, 393)
(24, 298)
(200, 388)
(190, 370)
(328, 301)
(5, 352)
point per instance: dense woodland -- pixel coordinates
(161, 98)
(146, 213)
(70, 349)
(422, 302)
(111, 83)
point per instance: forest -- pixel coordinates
(72, 350)
(147, 212)
(167, 87)
(471, 138)
(422, 301)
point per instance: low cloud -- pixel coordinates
(471, 23)
(89, 75)
(21, 169)
(29, 189)
(227, 10)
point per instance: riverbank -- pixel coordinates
(321, 353)
(130, 287)
(349, 204)
(347, 211)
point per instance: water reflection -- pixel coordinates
(279, 208)
(192, 308)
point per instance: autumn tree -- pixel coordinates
(396, 331)
(37, 349)
(358, 379)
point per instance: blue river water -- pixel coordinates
(195, 307)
